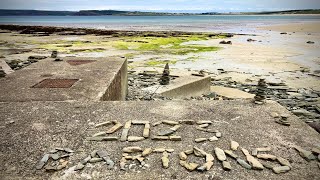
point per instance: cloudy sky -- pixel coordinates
(162, 5)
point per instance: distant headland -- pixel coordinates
(11, 12)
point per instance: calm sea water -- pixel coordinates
(186, 23)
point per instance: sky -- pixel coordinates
(163, 5)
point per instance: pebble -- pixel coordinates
(254, 152)
(62, 165)
(123, 163)
(166, 132)
(231, 154)
(226, 166)
(170, 122)
(267, 164)
(234, 145)
(137, 122)
(281, 169)
(305, 154)
(264, 149)
(284, 162)
(55, 156)
(175, 128)
(254, 163)
(159, 150)
(124, 135)
(157, 123)
(209, 158)
(189, 166)
(244, 163)
(200, 140)
(175, 138)
(189, 122)
(170, 150)
(245, 152)
(94, 160)
(218, 135)
(146, 132)
(103, 124)
(127, 125)
(220, 154)
(146, 152)
(208, 165)
(160, 138)
(316, 151)
(183, 156)
(135, 138)
(116, 127)
(102, 138)
(188, 152)
(131, 149)
(213, 138)
(165, 160)
(80, 166)
(199, 152)
(204, 125)
(53, 151)
(43, 161)
(267, 157)
(99, 134)
(204, 122)
(86, 160)
(93, 153)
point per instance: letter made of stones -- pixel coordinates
(127, 126)
(168, 134)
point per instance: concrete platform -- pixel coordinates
(183, 87)
(5, 67)
(96, 79)
(30, 129)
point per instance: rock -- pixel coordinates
(218, 135)
(62, 165)
(261, 94)
(165, 78)
(267, 164)
(231, 154)
(124, 135)
(213, 138)
(102, 138)
(254, 152)
(103, 124)
(137, 122)
(86, 160)
(166, 132)
(58, 59)
(43, 161)
(160, 138)
(175, 128)
(201, 168)
(310, 42)
(208, 165)
(307, 155)
(204, 125)
(165, 160)
(254, 163)
(55, 156)
(146, 132)
(159, 150)
(157, 123)
(189, 166)
(198, 152)
(37, 57)
(132, 149)
(234, 145)
(183, 156)
(226, 166)
(188, 152)
(123, 163)
(283, 33)
(175, 138)
(116, 127)
(54, 54)
(80, 166)
(170, 150)
(127, 125)
(200, 140)
(209, 158)
(189, 122)
(204, 122)
(251, 40)
(94, 160)
(267, 157)
(99, 134)
(220, 154)
(245, 152)
(284, 162)
(316, 151)
(244, 163)
(281, 169)
(170, 122)
(146, 152)
(135, 138)
(225, 42)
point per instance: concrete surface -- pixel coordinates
(183, 87)
(30, 129)
(5, 67)
(231, 93)
(104, 79)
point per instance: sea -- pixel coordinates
(205, 23)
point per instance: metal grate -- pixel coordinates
(79, 62)
(55, 83)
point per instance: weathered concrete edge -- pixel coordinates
(118, 88)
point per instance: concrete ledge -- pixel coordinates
(183, 87)
(96, 81)
(39, 127)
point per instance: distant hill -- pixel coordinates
(9, 12)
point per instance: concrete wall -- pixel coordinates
(118, 88)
